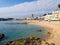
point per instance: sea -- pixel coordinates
(14, 31)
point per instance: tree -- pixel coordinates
(44, 14)
(59, 6)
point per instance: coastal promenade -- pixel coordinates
(52, 26)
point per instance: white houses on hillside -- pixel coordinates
(54, 16)
(58, 13)
(51, 17)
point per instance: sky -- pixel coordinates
(25, 8)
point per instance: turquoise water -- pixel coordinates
(17, 31)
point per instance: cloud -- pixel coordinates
(27, 8)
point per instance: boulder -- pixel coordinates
(1, 36)
(8, 43)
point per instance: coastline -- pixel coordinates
(52, 26)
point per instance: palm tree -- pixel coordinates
(59, 6)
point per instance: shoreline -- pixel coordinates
(52, 26)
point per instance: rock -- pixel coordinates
(8, 43)
(1, 36)
(29, 41)
(39, 30)
(52, 43)
(49, 33)
(32, 38)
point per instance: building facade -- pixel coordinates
(51, 17)
(58, 13)
(54, 16)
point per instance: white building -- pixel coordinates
(58, 13)
(51, 17)
(54, 16)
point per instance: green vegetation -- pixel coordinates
(59, 6)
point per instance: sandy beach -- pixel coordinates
(52, 26)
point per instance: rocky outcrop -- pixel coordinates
(8, 43)
(1, 36)
(29, 41)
